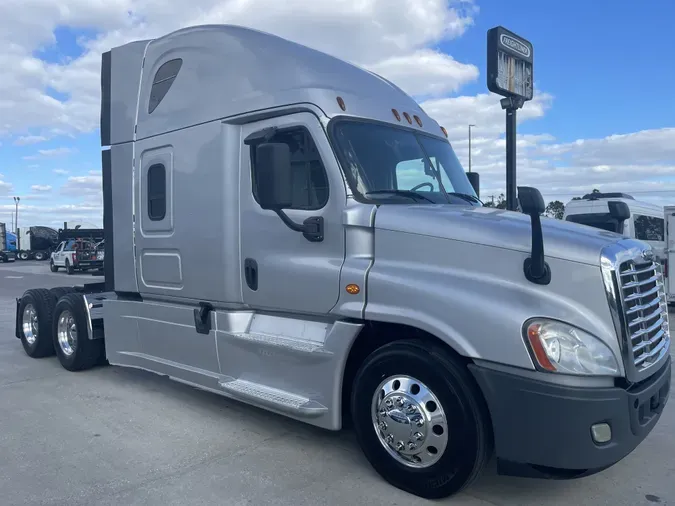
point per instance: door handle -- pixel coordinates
(251, 273)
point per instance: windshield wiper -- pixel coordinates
(466, 196)
(404, 193)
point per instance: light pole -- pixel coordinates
(470, 146)
(16, 215)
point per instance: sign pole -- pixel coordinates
(510, 74)
(511, 105)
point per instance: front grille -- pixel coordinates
(645, 312)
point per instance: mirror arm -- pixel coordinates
(535, 267)
(311, 228)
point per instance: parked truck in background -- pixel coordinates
(7, 244)
(645, 221)
(40, 242)
(36, 242)
(359, 277)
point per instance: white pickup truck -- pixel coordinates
(76, 254)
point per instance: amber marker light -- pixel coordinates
(396, 115)
(538, 348)
(352, 289)
(341, 103)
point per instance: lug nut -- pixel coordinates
(411, 446)
(420, 422)
(411, 408)
(390, 438)
(419, 436)
(383, 412)
(400, 446)
(400, 402)
(383, 426)
(389, 403)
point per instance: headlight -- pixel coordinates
(558, 347)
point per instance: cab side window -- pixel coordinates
(310, 182)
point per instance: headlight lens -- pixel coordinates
(558, 347)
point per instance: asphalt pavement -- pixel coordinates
(114, 436)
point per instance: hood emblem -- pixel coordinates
(647, 254)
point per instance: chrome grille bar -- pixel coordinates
(635, 289)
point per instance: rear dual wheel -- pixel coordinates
(74, 348)
(55, 321)
(421, 419)
(35, 312)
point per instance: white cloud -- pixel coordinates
(426, 72)
(82, 185)
(5, 188)
(60, 172)
(24, 140)
(41, 188)
(50, 153)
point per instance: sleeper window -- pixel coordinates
(156, 192)
(310, 183)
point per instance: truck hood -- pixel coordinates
(497, 228)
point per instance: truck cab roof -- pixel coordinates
(204, 73)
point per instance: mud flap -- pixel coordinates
(18, 328)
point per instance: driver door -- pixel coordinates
(282, 270)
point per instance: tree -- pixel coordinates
(499, 204)
(555, 209)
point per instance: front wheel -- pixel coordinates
(52, 267)
(40, 255)
(420, 419)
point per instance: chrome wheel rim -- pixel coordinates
(29, 324)
(409, 421)
(66, 332)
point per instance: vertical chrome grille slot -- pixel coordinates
(639, 309)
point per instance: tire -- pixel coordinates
(53, 267)
(60, 291)
(23, 255)
(462, 438)
(37, 341)
(40, 256)
(81, 353)
(69, 268)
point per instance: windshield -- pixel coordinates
(384, 162)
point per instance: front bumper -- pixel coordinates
(544, 430)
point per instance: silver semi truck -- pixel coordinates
(358, 279)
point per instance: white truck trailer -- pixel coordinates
(358, 274)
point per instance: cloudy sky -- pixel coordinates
(603, 115)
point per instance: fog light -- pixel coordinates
(601, 432)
